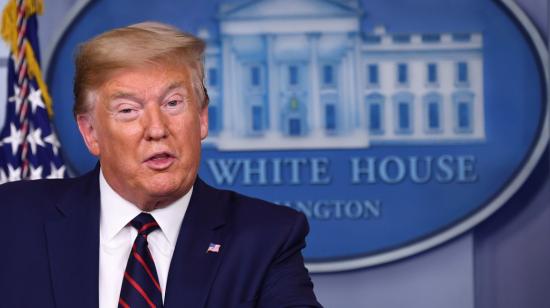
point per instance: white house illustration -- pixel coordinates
(302, 74)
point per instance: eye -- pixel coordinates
(173, 103)
(126, 110)
(174, 106)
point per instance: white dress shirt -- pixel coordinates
(116, 237)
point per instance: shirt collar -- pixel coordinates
(117, 212)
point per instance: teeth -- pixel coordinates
(160, 156)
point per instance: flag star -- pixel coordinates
(56, 173)
(15, 98)
(36, 173)
(14, 138)
(35, 98)
(3, 178)
(52, 139)
(13, 174)
(33, 138)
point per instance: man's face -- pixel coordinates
(146, 128)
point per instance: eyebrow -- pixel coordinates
(124, 95)
(133, 97)
(174, 85)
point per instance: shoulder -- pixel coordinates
(258, 209)
(256, 214)
(21, 192)
(38, 197)
(26, 205)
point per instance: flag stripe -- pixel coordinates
(28, 145)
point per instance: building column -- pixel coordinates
(349, 107)
(359, 108)
(273, 88)
(239, 106)
(314, 91)
(227, 87)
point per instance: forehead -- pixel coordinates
(147, 78)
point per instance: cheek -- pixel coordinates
(122, 139)
(186, 129)
(189, 147)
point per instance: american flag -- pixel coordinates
(213, 248)
(29, 148)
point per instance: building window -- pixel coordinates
(375, 108)
(255, 76)
(373, 74)
(402, 73)
(463, 111)
(433, 116)
(293, 75)
(294, 117)
(213, 118)
(433, 112)
(328, 75)
(212, 77)
(403, 112)
(257, 118)
(373, 39)
(375, 118)
(404, 116)
(431, 38)
(330, 117)
(461, 37)
(462, 73)
(431, 73)
(294, 127)
(463, 116)
(401, 38)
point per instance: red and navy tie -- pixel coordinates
(140, 287)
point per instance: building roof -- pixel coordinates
(252, 9)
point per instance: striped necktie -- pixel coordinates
(140, 287)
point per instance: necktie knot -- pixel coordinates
(144, 223)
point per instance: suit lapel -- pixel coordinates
(193, 269)
(73, 245)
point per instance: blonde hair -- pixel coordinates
(134, 46)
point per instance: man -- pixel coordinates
(142, 230)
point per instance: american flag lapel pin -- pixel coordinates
(215, 248)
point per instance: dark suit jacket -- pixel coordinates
(50, 249)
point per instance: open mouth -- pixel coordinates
(160, 161)
(160, 156)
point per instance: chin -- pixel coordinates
(162, 191)
(165, 189)
(168, 184)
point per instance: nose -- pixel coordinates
(154, 123)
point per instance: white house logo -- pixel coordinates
(392, 128)
(311, 78)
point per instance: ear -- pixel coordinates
(203, 119)
(87, 130)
